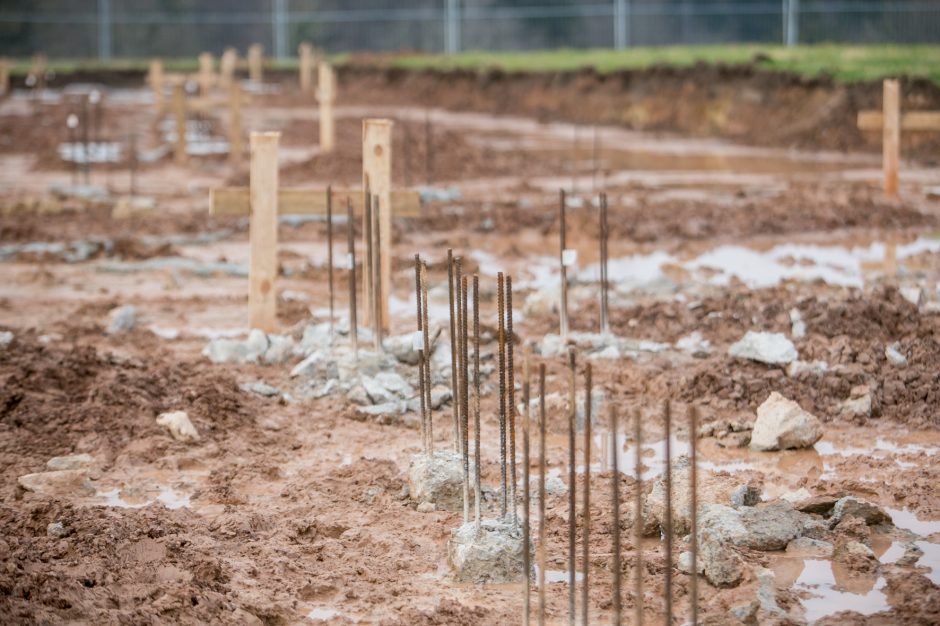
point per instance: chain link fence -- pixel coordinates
(108, 29)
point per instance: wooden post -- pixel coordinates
(377, 179)
(4, 77)
(326, 94)
(179, 114)
(262, 231)
(255, 60)
(891, 141)
(155, 79)
(235, 145)
(305, 52)
(38, 71)
(206, 77)
(227, 67)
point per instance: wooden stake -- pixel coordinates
(543, 531)
(891, 141)
(255, 62)
(206, 76)
(262, 233)
(326, 95)
(155, 79)
(227, 67)
(179, 114)
(377, 178)
(305, 54)
(235, 145)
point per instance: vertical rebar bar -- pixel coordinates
(351, 260)
(543, 533)
(421, 356)
(426, 328)
(526, 556)
(667, 521)
(693, 497)
(562, 242)
(572, 488)
(605, 282)
(615, 515)
(586, 525)
(478, 491)
(500, 309)
(511, 401)
(329, 251)
(638, 518)
(463, 391)
(453, 351)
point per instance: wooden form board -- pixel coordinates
(377, 178)
(236, 201)
(911, 121)
(326, 95)
(262, 232)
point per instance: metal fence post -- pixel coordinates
(451, 26)
(104, 30)
(279, 25)
(792, 24)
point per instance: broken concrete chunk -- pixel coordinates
(781, 424)
(57, 483)
(746, 495)
(402, 346)
(260, 388)
(722, 565)
(914, 295)
(122, 319)
(810, 368)
(806, 547)
(259, 347)
(685, 563)
(56, 530)
(70, 462)
(437, 479)
(850, 505)
(490, 554)
(695, 345)
(764, 347)
(797, 325)
(177, 422)
(770, 527)
(6, 338)
(858, 403)
(654, 505)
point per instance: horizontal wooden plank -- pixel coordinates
(235, 201)
(912, 120)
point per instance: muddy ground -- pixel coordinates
(294, 508)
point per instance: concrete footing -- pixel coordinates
(490, 554)
(438, 479)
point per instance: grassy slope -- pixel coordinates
(846, 63)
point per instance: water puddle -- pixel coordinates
(907, 520)
(825, 595)
(169, 497)
(323, 614)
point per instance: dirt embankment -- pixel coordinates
(741, 103)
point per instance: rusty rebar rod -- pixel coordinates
(421, 356)
(572, 489)
(351, 260)
(500, 307)
(526, 555)
(638, 519)
(511, 401)
(615, 517)
(605, 280)
(329, 252)
(478, 491)
(693, 498)
(426, 328)
(543, 531)
(453, 351)
(586, 525)
(667, 521)
(563, 277)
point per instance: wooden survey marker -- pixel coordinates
(890, 121)
(206, 77)
(255, 61)
(262, 232)
(257, 201)
(377, 180)
(305, 54)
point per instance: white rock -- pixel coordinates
(858, 402)
(695, 345)
(797, 325)
(260, 388)
(914, 295)
(783, 424)
(57, 483)
(6, 338)
(258, 347)
(179, 425)
(764, 347)
(894, 355)
(438, 479)
(492, 554)
(70, 462)
(122, 319)
(814, 368)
